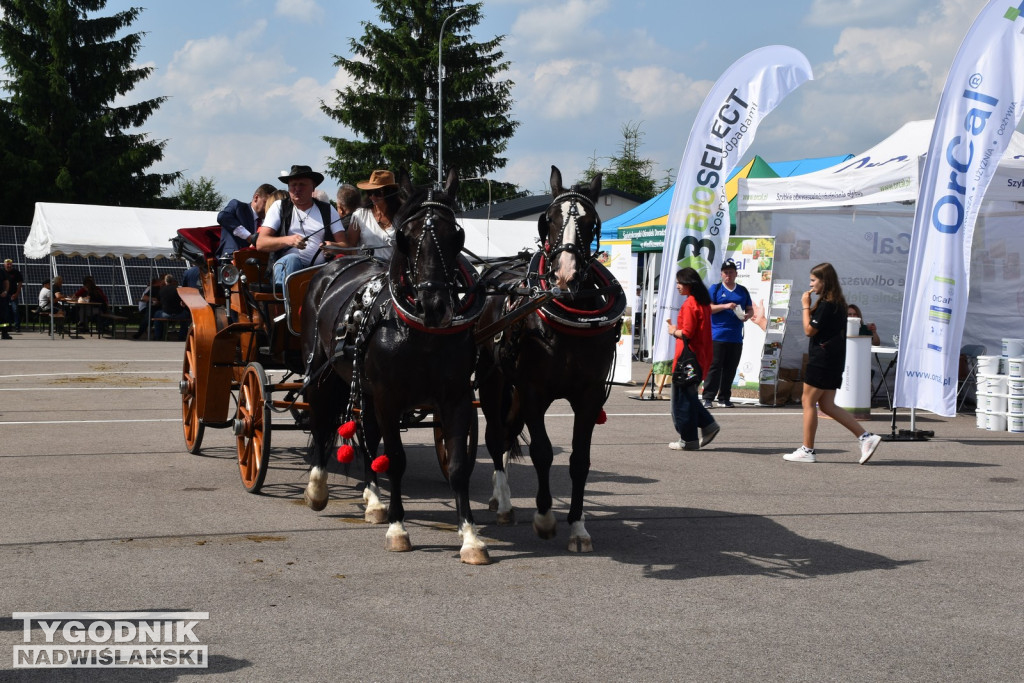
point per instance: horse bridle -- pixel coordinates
(451, 283)
(576, 247)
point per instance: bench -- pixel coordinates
(113, 320)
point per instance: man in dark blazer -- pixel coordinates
(239, 221)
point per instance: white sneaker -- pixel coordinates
(684, 445)
(868, 447)
(675, 445)
(800, 455)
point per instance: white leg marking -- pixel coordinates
(501, 499)
(375, 512)
(579, 539)
(316, 489)
(397, 538)
(474, 550)
(544, 525)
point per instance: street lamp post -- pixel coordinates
(440, 78)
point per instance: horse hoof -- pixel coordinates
(376, 515)
(581, 545)
(543, 532)
(507, 518)
(398, 543)
(315, 505)
(474, 556)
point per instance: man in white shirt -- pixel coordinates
(296, 227)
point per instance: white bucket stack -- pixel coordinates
(1001, 389)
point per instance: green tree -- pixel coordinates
(627, 171)
(392, 104)
(64, 140)
(198, 195)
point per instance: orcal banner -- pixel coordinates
(978, 112)
(698, 218)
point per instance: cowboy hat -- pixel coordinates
(301, 172)
(378, 179)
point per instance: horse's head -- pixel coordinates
(427, 244)
(567, 229)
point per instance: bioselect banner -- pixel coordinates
(698, 217)
(978, 113)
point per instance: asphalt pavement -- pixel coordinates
(726, 564)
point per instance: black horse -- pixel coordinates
(383, 339)
(564, 349)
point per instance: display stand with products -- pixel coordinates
(775, 331)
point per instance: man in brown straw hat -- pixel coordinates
(371, 224)
(296, 227)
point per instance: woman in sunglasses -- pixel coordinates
(372, 222)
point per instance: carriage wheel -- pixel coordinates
(442, 452)
(252, 427)
(190, 422)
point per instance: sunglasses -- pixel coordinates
(375, 193)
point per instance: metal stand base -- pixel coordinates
(907, 434)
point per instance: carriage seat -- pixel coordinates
(201, 240)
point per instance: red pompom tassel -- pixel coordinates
(380, 464)
(602, 417)
(347, 430)
(346, 453)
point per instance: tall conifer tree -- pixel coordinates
(64, 139)
(392, 106)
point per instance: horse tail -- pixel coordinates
(515, 451)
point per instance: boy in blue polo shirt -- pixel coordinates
(730, 308)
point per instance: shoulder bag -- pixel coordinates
(687, 372)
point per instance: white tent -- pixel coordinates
(888, 172)
(88, 230)
(859, 215)
(494, 238)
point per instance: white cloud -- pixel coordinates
(654, 91)
(843, 12)
(305, 11)
(552, 27)
(561, 89)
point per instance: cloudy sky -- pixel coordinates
(245, 77)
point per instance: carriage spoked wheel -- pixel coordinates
(442, 452)
(189, 386)
(252, 427)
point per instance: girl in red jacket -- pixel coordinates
(694, 324)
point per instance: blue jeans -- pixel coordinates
(688, 413)
(285, 266)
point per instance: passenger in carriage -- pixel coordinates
(296, 227)
(348, 201)
(239, 221)
(371, 223)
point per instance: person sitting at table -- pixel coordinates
(866, 329)
(90, 291)
(171, 308)
(148, 302)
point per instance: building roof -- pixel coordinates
(533, 205)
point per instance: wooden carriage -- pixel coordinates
(240, 330)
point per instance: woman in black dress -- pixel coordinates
(825, 324)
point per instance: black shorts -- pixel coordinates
(823, 378)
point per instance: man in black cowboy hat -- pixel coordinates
(296, 227)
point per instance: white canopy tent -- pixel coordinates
(88, 230)
(859, 215)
